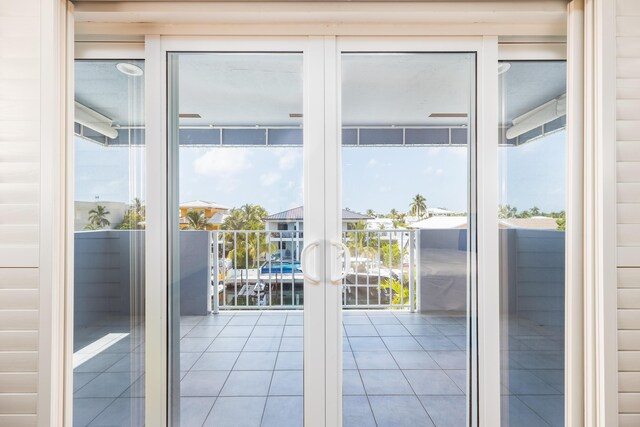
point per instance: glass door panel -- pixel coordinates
(238, 239)
(532, 180)
(407, 137)
(108, 240)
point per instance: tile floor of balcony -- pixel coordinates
(245, 368)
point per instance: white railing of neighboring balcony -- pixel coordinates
(260, 269)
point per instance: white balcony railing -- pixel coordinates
(258, 269)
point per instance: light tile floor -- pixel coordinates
(245, 369)
(532, 374)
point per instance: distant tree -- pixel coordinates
(247, 249)
(399, 292)
(535, 211)
(419, 206)
(562, 221)
(246, 217)
(371, 213)
(98, 218)
(507, 211)
(196, 219)
(133, 217)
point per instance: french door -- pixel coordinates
(320, 221)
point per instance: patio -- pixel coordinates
(400, 369)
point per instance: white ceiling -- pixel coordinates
(263, 89)
(100, 86)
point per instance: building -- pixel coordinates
(287, 229)
(213, 212)
(552, 332)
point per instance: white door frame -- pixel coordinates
(159, 199)
(128, 25)
(323, 358)
(486, 319)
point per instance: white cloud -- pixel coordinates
(269, 178)
(372, 163)
(219, 162)
(439, 172)
(289, 159)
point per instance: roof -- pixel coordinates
(217, 218)
(536, 222)
(439, 211)
(298, 214)
(202, 204)
(441, 222)
(533, 223)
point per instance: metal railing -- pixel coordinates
(260, 269)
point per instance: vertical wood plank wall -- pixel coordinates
(628, 209)
(19, 209)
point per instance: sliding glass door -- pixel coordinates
(313, 230)
(407, 128)
(321, 211)
(245, 205)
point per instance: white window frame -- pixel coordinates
(131, 31)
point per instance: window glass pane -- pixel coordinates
(237, 292)
(532, 177)
(406, 152)
(109, 221)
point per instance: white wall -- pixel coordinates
(19, 210)
(628, 210)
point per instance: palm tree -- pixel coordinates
(196, 220)
(98, 217)
(371, 213)
(249, 249)
(235, 221)
(254, 215)
(137, 206)
(419, 205)
(362, 243)
(507, 211)
(246, 217)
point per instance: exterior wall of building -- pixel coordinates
(628, 210)
(20, 172)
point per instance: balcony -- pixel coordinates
(404, 346)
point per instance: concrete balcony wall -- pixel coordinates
(532, 265)
(109, 275)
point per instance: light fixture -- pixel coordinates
(539, 116)
(189, 116)
(447, 115)
(129, 69)
(503, 67)
(94, 120)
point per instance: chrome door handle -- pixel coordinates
(336, 279)
(303, 261)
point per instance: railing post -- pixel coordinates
(418, 267)
(412, 282)
(216, 273)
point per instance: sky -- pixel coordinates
(378, 178)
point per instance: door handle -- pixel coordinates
(336, 279)
(306, 272)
